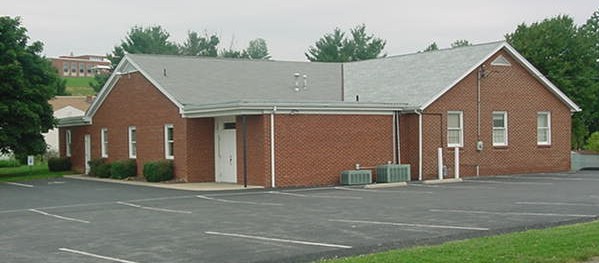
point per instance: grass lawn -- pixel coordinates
(81, 91)
(572, 243)
(23, 173)
(80, 86)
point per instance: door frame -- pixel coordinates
(219, 123)
(87, 151)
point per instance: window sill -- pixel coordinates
(543, 146)
(500, 147)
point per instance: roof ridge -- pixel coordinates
(432, 51)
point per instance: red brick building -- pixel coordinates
(81, 66)
(279, 124)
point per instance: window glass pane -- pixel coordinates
(499, 136)
(453, 137)
(169, 132)
(542, 120)
(498, 120)
(133, 136)
(542, 135)
(453, 120)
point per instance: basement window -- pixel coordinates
(501, 61)
(169, 142)
(132, 142)
(229, 126)
(455, 129)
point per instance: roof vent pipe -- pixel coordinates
(358, 98)
(164, 72)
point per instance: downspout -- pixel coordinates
(419, 145)
(272, 146)
(394, 135)
(398, 138)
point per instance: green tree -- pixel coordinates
(231, 53)
(336, 47)
(432, 47)
(99, 81)
(197, 45)
(144, 40)
(593, 142)
(27, 82)
(563, 53)
(460, 43)
(257, 49)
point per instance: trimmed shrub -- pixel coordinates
(123, 169)
(158, 171)
(57, 164)
(99, 168)
(9, 163)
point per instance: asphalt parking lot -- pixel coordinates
(68, 220)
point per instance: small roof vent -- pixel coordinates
(501, 61)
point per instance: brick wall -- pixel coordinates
(510, 89)
(314, 149)
(258, 149)
(134, 101)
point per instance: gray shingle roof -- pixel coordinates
(413, 79)
(201, 80)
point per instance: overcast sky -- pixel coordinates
(289, 27)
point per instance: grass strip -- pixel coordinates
(571, 243)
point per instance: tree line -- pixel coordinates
(566, 53)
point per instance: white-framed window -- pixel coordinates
(169, 141)
(499, 128)
(544, 128)
(104, 142)
(455, 129)
(132, 142)
(68, 142)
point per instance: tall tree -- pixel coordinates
(336, 47)
(432, 47)
(460, 43)
(563, 53)
(144, 40)
(198, 45)
(27, 82)
(257, 49)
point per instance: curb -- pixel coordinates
(385, 185)
(442, 181)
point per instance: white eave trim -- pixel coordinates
(527, 65)
(539, 76)
(242, 108)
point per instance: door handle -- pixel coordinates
(230, 159)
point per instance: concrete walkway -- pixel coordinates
(176, 186)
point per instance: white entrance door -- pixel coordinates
(225, 149)
(88, 152)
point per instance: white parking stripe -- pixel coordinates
(380, 191)
(316, 196)
(452, 187)
(507, 213)
(277, 240)
(154, 208)
(236, 202)
(503, 182)
(408, 224)
(95, 255)
(551, 178)
(556, 203)
(59, 217)
(18, 184)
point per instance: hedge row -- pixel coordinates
(57, 164)
(9, 163)
(153, 171)
(116, 170)
(158, 171)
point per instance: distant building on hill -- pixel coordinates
(81, 66)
